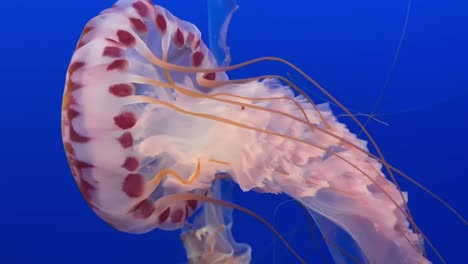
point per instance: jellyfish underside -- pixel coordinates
(339, 258)
(327, 229)
(254, 130)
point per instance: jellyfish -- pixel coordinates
(151, 123)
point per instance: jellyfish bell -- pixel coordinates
(149, 120)
(109, 139)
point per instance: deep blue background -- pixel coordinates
(348, 46)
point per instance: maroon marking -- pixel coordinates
(111, 40)
(74, 136)
(86, 189)
(125, 120)
(186, 212)
(79, 165)
(197, 58)
(144, 209)
(112, 52)
(190, 38)
(179, 38)
(121, 65)
(164, 215)
(161, 23)
(81, 43)
(133, 185)
(87, 29)
(121, 89)
(210, 76)
(131, 164)
(126, 38)
(68, 100)
(69, 149)
(197, 44)
(73, 86)
(192, 204)
(138, 25)
(141, 8)
(75, 66)
(126, 140)
(176, 217)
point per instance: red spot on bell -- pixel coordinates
(190, 38)
(125, 120)
(192, 204)
(141, 8)
(131, 164)
(112, 52)
(161, 23)
(210, 76)
(179, 38)
(197, 44)
(145, 209)
(197, 58)
(139, 25)
(126, 140)
(126, 38)
(176, 217)
(164, 215)
(120, 65)
(133, 185)
(121, 90)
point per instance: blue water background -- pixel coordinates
(348, 46)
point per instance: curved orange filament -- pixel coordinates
(154, 182)
(219, 162)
